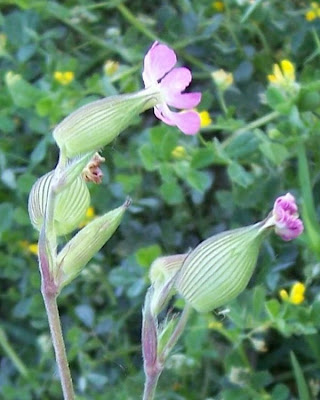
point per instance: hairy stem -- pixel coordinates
(151, 386)
(50, 301)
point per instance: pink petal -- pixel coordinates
(176, 81)
(286, 203)
(292, 228)
(159, 60)
(184, 100)
(162, 112)
(188, 122)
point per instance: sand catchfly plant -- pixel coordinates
(59, 200)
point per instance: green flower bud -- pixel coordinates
(86, 243)
(96, 124)
(219, 268)
(71, 204)
(162, 273)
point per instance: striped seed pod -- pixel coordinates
(96, 124)
(86, 243)
(219, 268)
(71, 204)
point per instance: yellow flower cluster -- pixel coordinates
(283, 74)
(296, 295)
(64, 78)
(90, 214)
(205, 119)
(313, 12)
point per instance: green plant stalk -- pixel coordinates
(12, 354)
(127, 14)
(309, 214)
(258, 122)
(50, 289)
(222, 101)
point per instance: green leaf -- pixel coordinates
(275, 152)
(273, 307)
(280, 392)
(148, 157)
(169, 142)
(171, 193)
(6, 213)
(199, 180)
(146, 255)
(239, 175)
(300, 379)
(242, 146)
(23, 94)
(202, 158)
(277, 100)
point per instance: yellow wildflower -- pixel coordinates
(179, 152)
(218, 6)
(205, 119)
(90, 214)
(313, 12)
(64, 78)
(296, 294)
(31, 248)
(222, 79)
(110, 67)
(283, 74)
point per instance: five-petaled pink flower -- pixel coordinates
(171, 82)
(286, 218)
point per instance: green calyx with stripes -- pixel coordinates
(219, 268)
(70, 206)
(96, 124)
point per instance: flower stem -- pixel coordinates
(50, 301)
(258, 122)
(308, 207)
(176, 333)
(151, 386)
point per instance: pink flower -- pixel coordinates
(171, 82)
(285, 213)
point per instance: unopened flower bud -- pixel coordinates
(219, 268)
(96, 124)
(162, 273)
(222, 79)
(87, 242)
(71, 204)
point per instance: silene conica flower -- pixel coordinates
(96, 124)
(219, 268)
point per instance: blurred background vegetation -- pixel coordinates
(258, 141)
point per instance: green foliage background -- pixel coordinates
(259, 146)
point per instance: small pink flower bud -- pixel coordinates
(286, 218)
